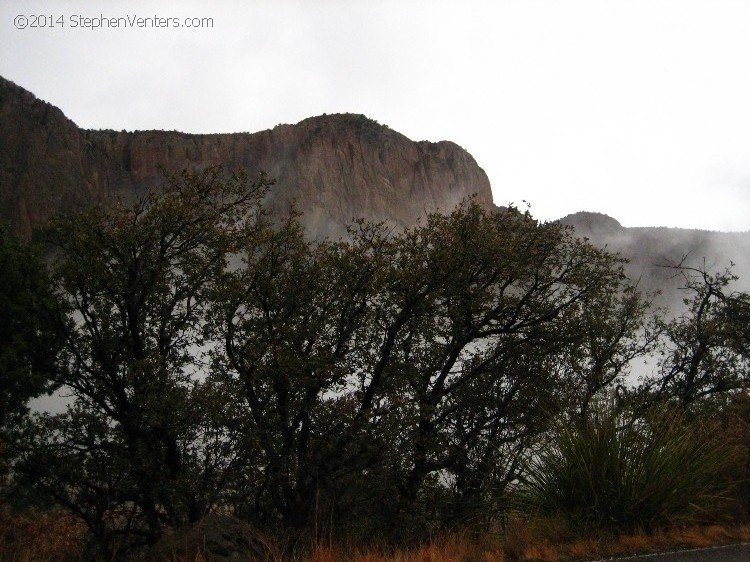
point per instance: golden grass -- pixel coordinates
(638, 543)
(743, 533)
(323, 554)
(676, 538)
(540, 554)
(584, 548)
(717, 533)
(44, 537)
(40, 537)
(544, 541)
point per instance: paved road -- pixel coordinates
(730, 553)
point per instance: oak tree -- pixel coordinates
(137, 451)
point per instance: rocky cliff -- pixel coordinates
(335, 167)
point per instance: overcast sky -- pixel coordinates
(637, 109)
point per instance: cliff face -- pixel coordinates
(335, 167)
(41, 164)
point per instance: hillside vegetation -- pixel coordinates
(384, 388)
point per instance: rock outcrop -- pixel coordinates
(335, 167)
(215, 538)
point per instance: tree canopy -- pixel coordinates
(28, 340)
(390, 382)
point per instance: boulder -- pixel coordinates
(214, 538)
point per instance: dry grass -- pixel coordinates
(743, 533)
(541, 554)
(584, 548)
(54, 536)
(454, 547)
(543, 541)
(322, 553)
(638, 543)
(668, 539)
(40, 537)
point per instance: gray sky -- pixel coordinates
(637, 109)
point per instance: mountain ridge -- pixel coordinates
(335, 167)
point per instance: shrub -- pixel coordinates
(603, 472)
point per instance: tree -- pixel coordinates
(395, 361)
(217, 357)
(705, 350)
(615, 331)
(485, 309)
(295, 319)
(29, 343)
(137, 449)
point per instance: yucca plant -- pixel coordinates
(620, 474)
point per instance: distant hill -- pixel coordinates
(651, 248)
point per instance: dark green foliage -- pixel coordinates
(28, 340)
(138, 449)
(383, 386)
(614, 472)
(403, 361)
(293, 320)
